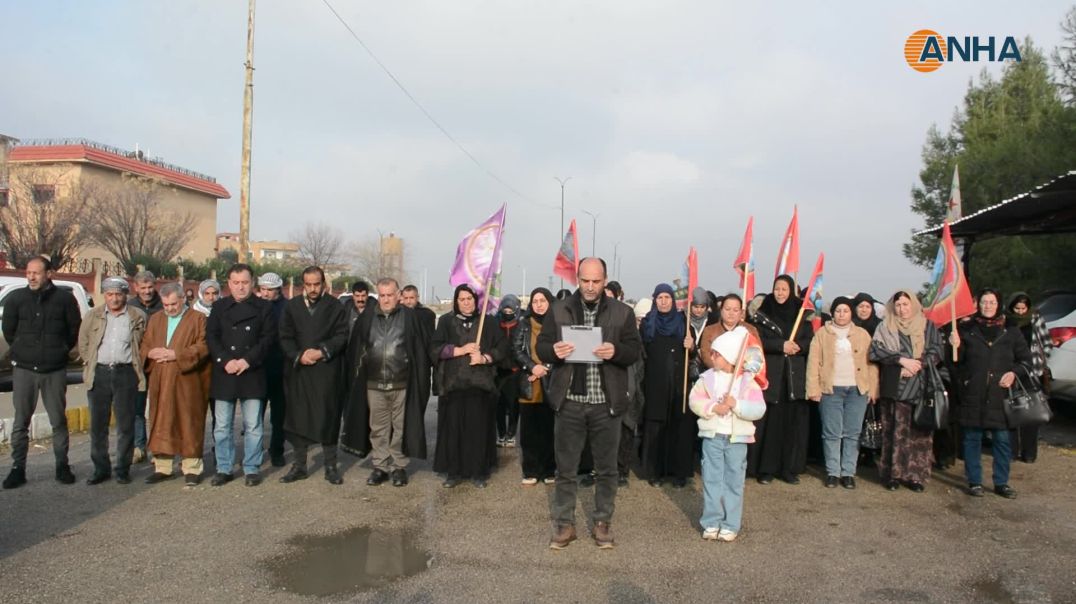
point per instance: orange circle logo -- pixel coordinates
(917, 42)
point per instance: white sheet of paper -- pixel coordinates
(585, 339)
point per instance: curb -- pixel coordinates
(78, 420)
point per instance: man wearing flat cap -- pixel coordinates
(108, 342)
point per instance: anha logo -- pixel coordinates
(926, 49)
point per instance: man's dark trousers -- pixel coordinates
(26, 386)
(575, 424)
(115, 390)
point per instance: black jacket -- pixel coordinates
(618, 327)
(150, 309)
(41, 327)
(455, 374)
(240, 330)
(521, 352)
(787, 374)
(980, 365)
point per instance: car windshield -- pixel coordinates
(1057, 306)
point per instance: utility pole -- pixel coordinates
(248, 110)
(594, 234)
(560, 236)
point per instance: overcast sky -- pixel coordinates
(675, 120)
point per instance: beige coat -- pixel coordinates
(822, 355)
(92, 332)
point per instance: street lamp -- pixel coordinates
(562, 181)
(594, 233)
(615, 247)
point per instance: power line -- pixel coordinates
(426, 113)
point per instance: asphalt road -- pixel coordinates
(799, 543)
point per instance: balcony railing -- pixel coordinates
(136, 155)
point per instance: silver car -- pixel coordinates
(1058, 310)
(8, 285)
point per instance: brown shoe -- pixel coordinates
(562, 536)
(603, 535)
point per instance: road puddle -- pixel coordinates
(357, 559)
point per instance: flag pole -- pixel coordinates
(687, 322)
(796, 325)
(489, 278)
(952, 314)
(739, 362)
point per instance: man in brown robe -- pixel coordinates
(175, 356)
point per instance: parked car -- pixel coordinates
(8, 285)
(1058, 310)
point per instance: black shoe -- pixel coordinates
(976, 490)
(765, 478)
(622, 480)
(848, 482)
(253, 480)
(123, 478)
(192, 480)
(98, 478)
(451, 482)
(586, 480)
(831, 482)
(64, 475)
(790, 478)
(916, 487)
(277, 460)
(332, 475)
(15, 479)
(679, 483)
(399, 478)
(220, 479)
(1005, 491)
(377, 477)
(294, 474)
(480, 483)
(156, 477)
(892, 485)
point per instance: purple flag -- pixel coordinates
(478, 260)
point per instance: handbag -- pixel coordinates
(871, 436)
(1026, 407)
(932, 410)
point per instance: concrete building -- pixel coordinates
(57, 167)
(260, 251)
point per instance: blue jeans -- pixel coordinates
(973, 450)
(724, 465)
(140, 420)
(224, 435)
(842, 421)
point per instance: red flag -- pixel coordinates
(688, 280)
(566, 264)
(754, 360)
(745, 263)
(948, 296)
(788, 257)
(812, 296)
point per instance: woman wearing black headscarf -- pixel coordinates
(780, 447)
(670, 429)
(535, 415)
(1021, 316)
(863, 314)
(466, 433)
(992, 358)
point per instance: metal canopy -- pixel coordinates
(1048, 209)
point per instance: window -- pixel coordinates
(44, 193)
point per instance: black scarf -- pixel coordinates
(530, 306)
(465, 320)
(784, 315)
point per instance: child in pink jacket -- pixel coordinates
(727, 403)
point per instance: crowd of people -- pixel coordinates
(727, 387)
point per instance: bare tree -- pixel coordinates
(319, 244)
(1064, 57)
(43, 215)
(133, 220)
(369, 261)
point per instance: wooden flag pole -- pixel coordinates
(482, 318)
(739, 362)
(952, 313)
(687, 331)
(796, 325)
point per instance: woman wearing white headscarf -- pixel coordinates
(208, 293)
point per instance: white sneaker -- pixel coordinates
(139, 456)
(549, 480)
(500, 441)
(726, 535)
(510, 442)
(529, 482)
(710, 534)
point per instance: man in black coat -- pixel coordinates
(588, 398)
(41, 324)
(313, 338)
(147, 300)
(389, 378)
(270, 289)
(240, 331)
